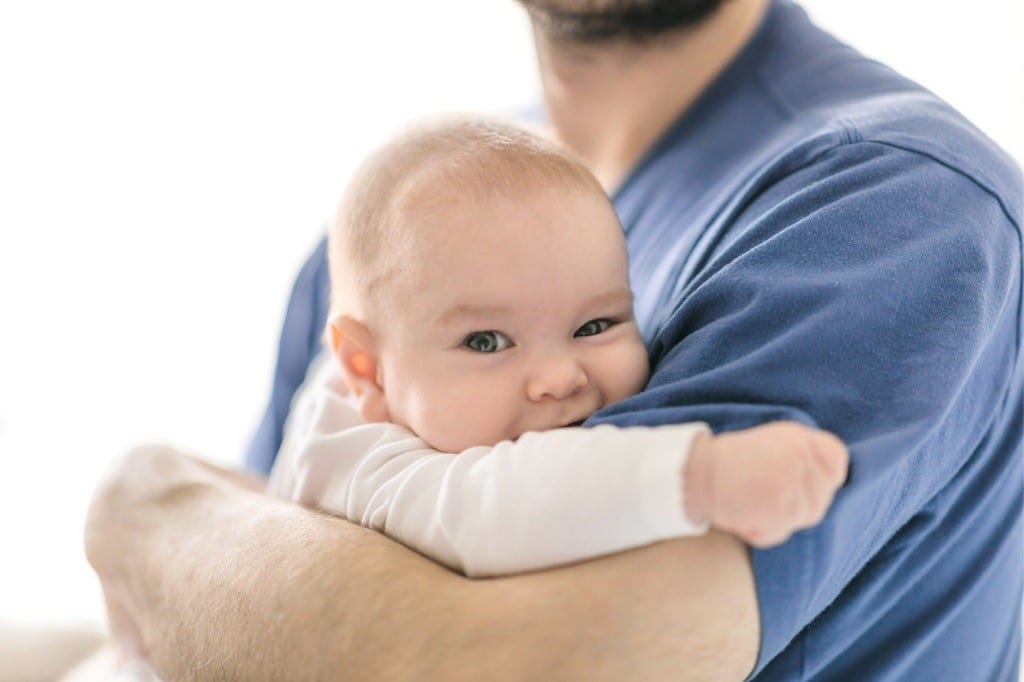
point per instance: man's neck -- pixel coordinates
(610, 103)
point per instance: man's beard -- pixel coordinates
(604, 21)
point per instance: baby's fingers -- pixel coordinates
(825, 469)
(763, 538)
(831, 456)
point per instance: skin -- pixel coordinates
(610, 102)
(504, 338)
(221, 582)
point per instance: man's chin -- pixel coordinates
(611, 20)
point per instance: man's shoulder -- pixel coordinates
(908, 179)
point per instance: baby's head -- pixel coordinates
(480, 287)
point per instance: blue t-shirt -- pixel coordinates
(819, 239)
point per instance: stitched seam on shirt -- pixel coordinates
(773, 97)
(958, 171)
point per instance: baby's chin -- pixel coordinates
(456, 445)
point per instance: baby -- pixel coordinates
(480, 306)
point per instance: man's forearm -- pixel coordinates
(680, 610)
(231, 584)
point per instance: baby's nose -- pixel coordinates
(556, 379)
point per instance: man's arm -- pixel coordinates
(874, 293)
(295, 594)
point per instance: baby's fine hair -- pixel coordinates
(432, 165)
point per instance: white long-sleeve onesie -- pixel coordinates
(546, 499)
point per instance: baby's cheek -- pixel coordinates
(445, 422)
(483, 420)
(633, 370)
(429, 419)
(643, 370)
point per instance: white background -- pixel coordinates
(166, 167)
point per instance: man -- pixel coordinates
(812, 237)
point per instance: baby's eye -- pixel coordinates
(487, 342)
(593, 328)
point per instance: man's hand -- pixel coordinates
(138, 478)
(764, 483)
(146, 474)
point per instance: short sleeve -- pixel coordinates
(298, 346)
(875, 293)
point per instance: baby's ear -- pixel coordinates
(353, 345)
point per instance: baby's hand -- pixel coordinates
(764, 483)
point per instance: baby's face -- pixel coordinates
(516, 316)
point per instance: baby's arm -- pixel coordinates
(548, 498)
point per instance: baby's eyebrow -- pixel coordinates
(615, 297)
(470, 310)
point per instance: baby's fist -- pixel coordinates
(765, 483)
